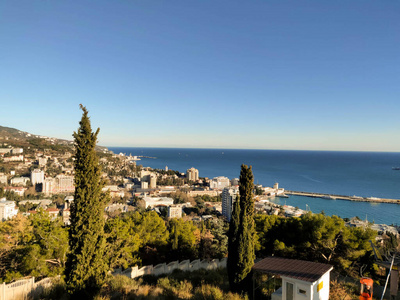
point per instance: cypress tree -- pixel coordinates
(86, 267)
(242, 234)
(233, 244)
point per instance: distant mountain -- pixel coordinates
(18, 138)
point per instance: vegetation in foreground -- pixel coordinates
(86, 268)
(201, 284)
(241, 254)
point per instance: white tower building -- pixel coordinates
(37, 176)
(192, 174)
(228, 198)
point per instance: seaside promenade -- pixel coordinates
(342, 197)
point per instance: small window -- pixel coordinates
(302, 292)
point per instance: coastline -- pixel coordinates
(343, 197)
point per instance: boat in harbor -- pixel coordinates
(282, 196)
(329, 197)
(373, 198)
(396, 168)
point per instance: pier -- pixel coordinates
(342, 197)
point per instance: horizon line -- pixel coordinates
(260, 149)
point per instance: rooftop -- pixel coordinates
(293, 268)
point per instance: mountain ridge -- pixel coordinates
(17, 138)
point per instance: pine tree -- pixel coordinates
(86, 266)
(241, 234)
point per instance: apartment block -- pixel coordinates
(192, 174)
(228, 199)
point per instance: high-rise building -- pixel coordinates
(153, 181)
(37, 176)
(49, 186)
(65, 183)
(192, 174)
(60, 184)
(228, 198)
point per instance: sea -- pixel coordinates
(366, 174)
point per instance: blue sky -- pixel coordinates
(318, 75)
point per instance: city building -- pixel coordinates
(5, 150)
(144, 185)
(60, 185)
(153, 181)
(18, 190)
(19, 181)
(65, 183)
(17, 150)
(53, 213)
(114, 191)
(37, 176)
(3, 178)
(7, 209)
(117, 207)
(49, 186)
(301, 280)
(220, 182)
(156, 201)
(174, 211)
(149, 178)
(235, 181)
(42, 161)
(41, 203)
(211, 193)
(66, 216)
(14, 158)
(228, 198)
(192, 174)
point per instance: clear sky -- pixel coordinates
(270, 74)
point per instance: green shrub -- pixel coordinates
(208, 292)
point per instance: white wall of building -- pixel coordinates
(7, 209)
(228, 198)
(220, 182)
(155, 201)
(304, 290)
(37, 176)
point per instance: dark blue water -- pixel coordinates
(381, 213)
(346, 173)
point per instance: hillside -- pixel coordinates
(17, 138)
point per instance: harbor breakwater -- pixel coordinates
(343, 197)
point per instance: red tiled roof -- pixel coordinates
(14, 188)
(292, 268)
(52, 210)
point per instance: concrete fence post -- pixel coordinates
(3, 292)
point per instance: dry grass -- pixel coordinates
(200, 284)
(178, 285)
(343, 291)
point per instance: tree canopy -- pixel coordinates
(313, 237)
